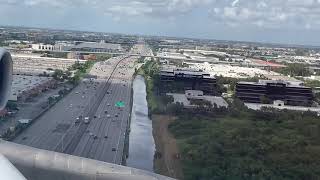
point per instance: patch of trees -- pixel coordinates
(312, 83)
(82, 67)
(301, 52)
(200, 103)
(232, 82)
(295, 69)
(103, 57)
(12, 106)
(58, 75)
(80, 70)
(245, 144)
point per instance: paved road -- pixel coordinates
(101, 139)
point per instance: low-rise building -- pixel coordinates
(268, 91)
(97, 47)
(191, 95)
(188, 78)
(43, 47)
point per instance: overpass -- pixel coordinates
(89, 52)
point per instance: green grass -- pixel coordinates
(146, 71)
(312, 83)
(153, 101)
(81, 70)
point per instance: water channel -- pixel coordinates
(141, 142)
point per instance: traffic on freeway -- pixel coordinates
(88, 122)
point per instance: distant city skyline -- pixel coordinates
(272, 21)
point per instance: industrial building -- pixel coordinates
(233, 71)
(269, 91)
(97, 47)
(187, 79)
(80, 46)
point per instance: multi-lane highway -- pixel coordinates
(86, 122)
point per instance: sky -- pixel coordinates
(275, 21)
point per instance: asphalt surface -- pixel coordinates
(103, 137)
(29, 109)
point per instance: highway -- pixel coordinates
(64, 128)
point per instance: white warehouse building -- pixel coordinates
(43, 47)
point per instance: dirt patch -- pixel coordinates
(166, 161)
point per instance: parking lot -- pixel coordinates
(35, 65)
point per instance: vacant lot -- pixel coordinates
(167, 160)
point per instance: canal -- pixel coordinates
(141, 142)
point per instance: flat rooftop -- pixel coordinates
(256, 106)
(170, 71)
(182, 98)
(232, 71)
(95, 45)
(265, 82)
(30, 64)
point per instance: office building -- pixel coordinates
(270, 91)
(175, 79)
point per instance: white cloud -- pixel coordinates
(272, 13)
(134, 9)
(155, 8)
(52, 3)
(230, 12)
(261, 5)
(261, 13)
(235, 2)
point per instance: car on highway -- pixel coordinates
(86, 120)
(116, 115)
(77, 120)
(113, 149)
